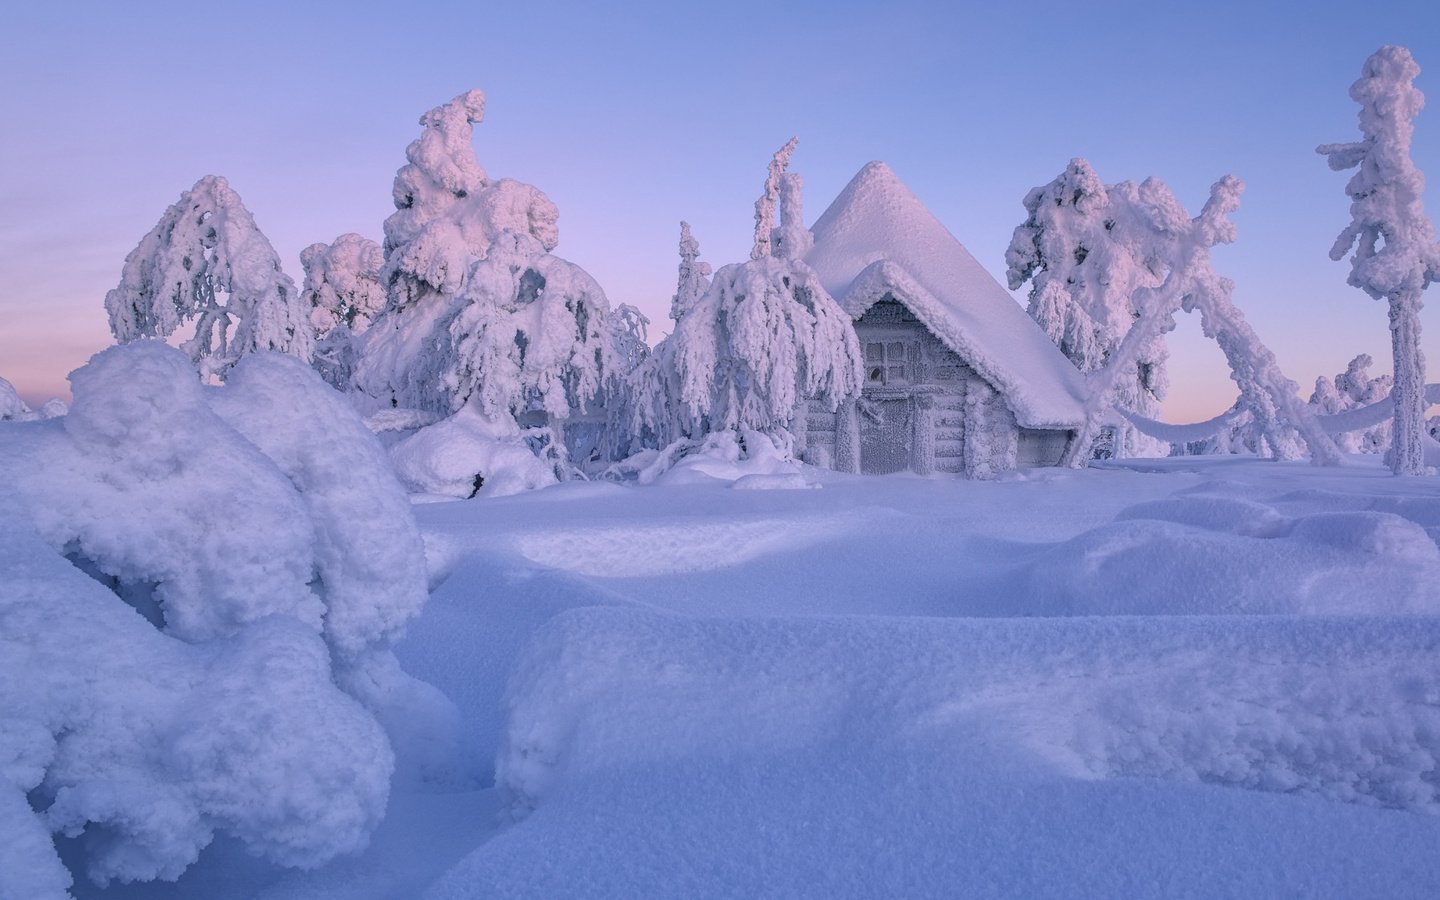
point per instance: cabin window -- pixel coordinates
(885, 362)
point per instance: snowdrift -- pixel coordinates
(1249, 702)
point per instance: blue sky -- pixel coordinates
(636, 116)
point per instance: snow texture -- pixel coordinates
(207, 262)
(226, 666)
(877, 238)
(1396, 255)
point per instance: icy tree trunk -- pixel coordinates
(1409, 391)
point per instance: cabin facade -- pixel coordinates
(958, 379)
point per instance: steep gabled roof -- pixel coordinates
(877, 238)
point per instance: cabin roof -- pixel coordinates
(878, 239)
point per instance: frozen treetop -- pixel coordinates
(877, 238)
(769, 199)
(448, 211)
(1387, 187)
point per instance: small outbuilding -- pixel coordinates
(958, 378)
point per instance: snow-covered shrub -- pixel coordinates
(762, 340)
(344, 294)
(1352, 389)
(1396, 255)
(227, 665)
(11, 406)
(206, 262)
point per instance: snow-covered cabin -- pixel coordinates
(958, 378)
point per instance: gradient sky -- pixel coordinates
(634, 117)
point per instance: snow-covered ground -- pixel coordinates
(1194, 677)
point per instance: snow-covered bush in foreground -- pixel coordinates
(224, 666)
(207, 262)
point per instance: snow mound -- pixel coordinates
(1257, 703)
(784, 481)
(1198, 555)
(445, 458)
(720, 456)
(668, 547)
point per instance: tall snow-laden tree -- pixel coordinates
(206, 262)
(1395, 253)
(1166, 232)
(651, 412)
(344, 294)
(479, 313)
(763, 340)
(1085, 260)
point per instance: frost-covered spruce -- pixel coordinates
(344, 294)
(1395, 252)
(763, 340)
(651, 411)
(206, 262)
(478, 311)
(1086, 254)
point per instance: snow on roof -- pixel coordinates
(877, 238)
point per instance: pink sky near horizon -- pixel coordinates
(634, 118)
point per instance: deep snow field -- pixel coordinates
(1195, 677)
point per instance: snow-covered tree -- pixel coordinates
(479, 312)
(206, 262)
(1352, 389)
(1167, 233)
(1395, 252)
(344, 294)
(694, 276)
(763, 339)
(1085, 259)
(650, 411)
